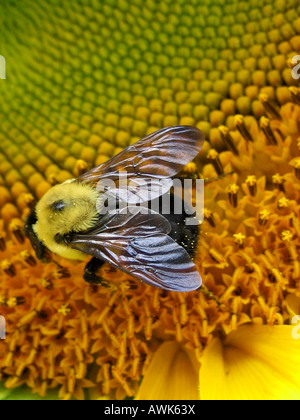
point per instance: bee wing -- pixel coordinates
(139, 245)
(140, 190)
(162, 154)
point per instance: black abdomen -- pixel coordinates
(185, 235)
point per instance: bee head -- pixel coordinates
(66, 208)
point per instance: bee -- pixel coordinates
(154, 248)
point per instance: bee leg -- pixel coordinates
(90, 271)
(38, 246)
(63, 239)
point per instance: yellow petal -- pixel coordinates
(172, 375)
(256, 362)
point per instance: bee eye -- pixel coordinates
(58, 205)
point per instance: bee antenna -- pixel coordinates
(57, 264)
(210, 294)
(209, 180)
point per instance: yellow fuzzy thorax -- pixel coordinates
(78, 215)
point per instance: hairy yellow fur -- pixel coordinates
(79, 214)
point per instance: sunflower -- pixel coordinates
(62, 331)
(83, 82)
(250, 256)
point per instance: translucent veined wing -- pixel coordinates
(139, 245)
(139, 190)
(162, 154)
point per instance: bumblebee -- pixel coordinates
(154, 248)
